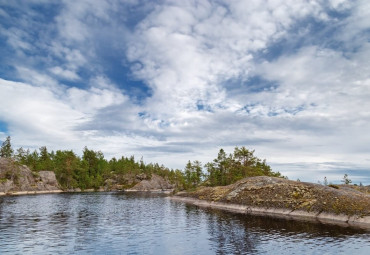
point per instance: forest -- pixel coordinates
(92, 169)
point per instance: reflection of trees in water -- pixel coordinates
(231, 235)
(1, 206)
(6, 219)
(228, 234)
(287, 228)
(234, 233)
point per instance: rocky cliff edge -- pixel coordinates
(19, 179)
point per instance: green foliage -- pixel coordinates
(6, 150)
(44, 160)
(21, 155)
(193, 174)
(242, 163)
(92, 170)
(66, 167)
(95, 166)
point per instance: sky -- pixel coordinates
(172, 81)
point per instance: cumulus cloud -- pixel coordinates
(188, 53)
(100, 94)
(36, 116)
(287, 78)
(33, 110)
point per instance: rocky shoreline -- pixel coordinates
(281, 198)
(19, 193)
(161, 191)
(17, 179)
(327, 218)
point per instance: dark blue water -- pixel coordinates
(119, 223)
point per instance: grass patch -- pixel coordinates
(333, 186)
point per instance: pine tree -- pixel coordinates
(44, 161)
(188, 174)
(21, 155)
(6, 150)
(198, 172)
(346, 180)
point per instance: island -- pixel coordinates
(278, 197)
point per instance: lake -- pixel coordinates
(144, 223)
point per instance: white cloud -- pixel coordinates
(37, 78)
(187, 51)
(36, 116)
(101, 94)
(198, 59)
(64, 73)
(16, 38)
(334, 92)
(34, 113)
(73, 58)
(73, 22)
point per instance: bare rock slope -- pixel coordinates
(16, 178)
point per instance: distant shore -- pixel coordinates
(19, 193)
(327, 218)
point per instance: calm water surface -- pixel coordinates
(121, 223)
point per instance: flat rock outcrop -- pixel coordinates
(273, 196)
(16, 178)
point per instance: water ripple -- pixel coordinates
(120, 223)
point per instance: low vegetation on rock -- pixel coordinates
(271, 192)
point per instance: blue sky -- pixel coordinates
(178, 80)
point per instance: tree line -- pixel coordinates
(91, 170)
(227, 169)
